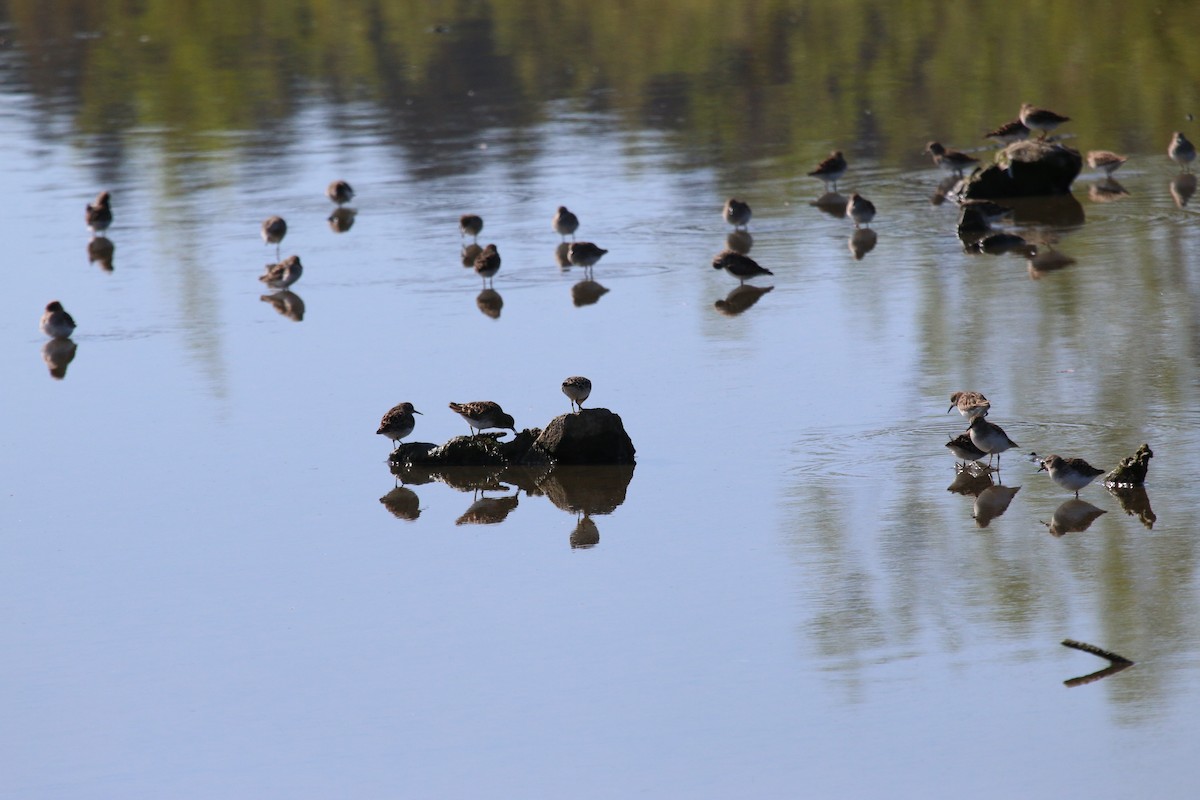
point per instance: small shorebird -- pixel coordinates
(339, 192)
(953, 161)
(736, 213)
(1181, 151)
(470, 224)
(99, 214)
(989, 438)
(1009, 132)
(398, 422)
(969, 404)
(565, 223)
(56, 322)
(584, 254)
(283, 274)
(577, 388)
(739, 266)
(964, 449)
(1105, 160)
(860, 210)
(273, 231)
(487, 263)
(1070, 473)
(829, 170)
(1043, 119)
(484, 414)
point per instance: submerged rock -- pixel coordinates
(1032, 168)
(1132, 469)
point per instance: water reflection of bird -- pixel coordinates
(830, 170)
(487, 263)
(489, 510)
(342, 219)
(1073, 516)
(1042, 119)
(1046, 259)
(992, 502)
(1106, 190)
(490, 303)
(586, 293)
(102, 249)
(1070, 473)
(862, 241)
(403, 503)
(58, 353)
(1182, 187)
(560, 255)
(585, 535)
(470, 225)
(565, 223)
(970, 482)
(860, 210)
(287, 303)
(56, 322)
(1106, 161)
(736, 213)
(1181, 151)
(990, 438)
(741, 298)
(964, 449)
(339, 192)
(99, 214)
(483, 414)
(739, 266)
(584, 254)
(1000, 243)
(470, 252)
(832, 204)
(283, 274)
(970, 404)
(1009, 132)
(577, 389)
(398, 422)
(953, 161)
(273, 231)
(739, 242)
(986, 210)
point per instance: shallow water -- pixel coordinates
(214, 586)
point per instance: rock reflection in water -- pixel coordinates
(403, 503)
(1073, 516)
(739, 242)
(1182, 187)
(287, 303)
(490, 302)
(58, 353)
(862, 241)
(741, 299)
(992, 502)
(101, 250)
(1135, 502)
(586, 293)
(342, 220)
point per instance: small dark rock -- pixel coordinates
(591, 436)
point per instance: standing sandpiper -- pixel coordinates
(860, 210)
(273, 231)
(339, 192)
(56, 322)
(487, 263)
(99, 214)
(1106, 161)
(398, 422)
(470, 225)
(577, 388)
(1042, 119)
(1070, 473)
(484, 414)
(736, 213)
(829, 170)
(739, 266)
(1181, 151)
(1009, 132)
(283, 274)
(584, 254)
(989, 438)
(969, 404)
(953, 161)
(565, 223)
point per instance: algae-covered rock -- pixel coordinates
(1132, 469)
(1032, 168)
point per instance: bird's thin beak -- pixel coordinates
(417, 412)
(1042, 466)
(951, 408)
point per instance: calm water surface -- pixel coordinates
(212, 585)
